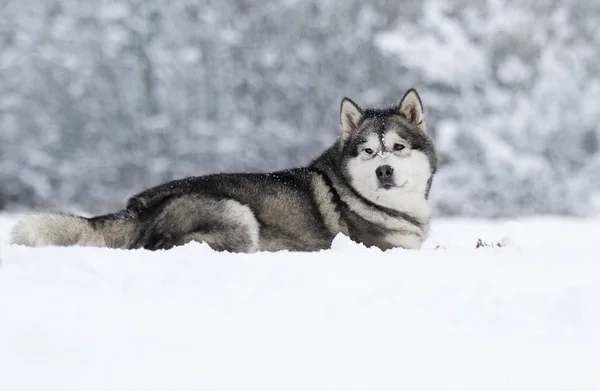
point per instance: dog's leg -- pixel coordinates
(225, 225)
(232, 239)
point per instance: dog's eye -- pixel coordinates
(368, 150)
(398, 147)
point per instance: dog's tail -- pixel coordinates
(117, 230)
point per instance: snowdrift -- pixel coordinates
(524, 316)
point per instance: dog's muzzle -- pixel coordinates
(385, 175)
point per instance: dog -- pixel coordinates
(371, 185)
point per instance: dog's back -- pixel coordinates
(233, 212)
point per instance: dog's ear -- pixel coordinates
(350, 116)
(411, 108)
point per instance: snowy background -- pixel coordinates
(99, 99)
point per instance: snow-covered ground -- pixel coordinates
(522, 317)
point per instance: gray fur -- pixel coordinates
(300, 209)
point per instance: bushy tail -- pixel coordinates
(61, 229)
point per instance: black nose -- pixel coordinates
(384, 172)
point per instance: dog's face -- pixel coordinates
(388, 157)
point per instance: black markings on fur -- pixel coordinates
(335, 199)
(429, 182)
(120, 215)
(388, 211)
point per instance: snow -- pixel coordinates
(514, 71)
(434, 47)
(113, 11)
(521, 317)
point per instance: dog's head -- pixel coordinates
(388, 156)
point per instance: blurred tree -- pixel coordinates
(101, 99)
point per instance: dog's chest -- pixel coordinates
(384, 234)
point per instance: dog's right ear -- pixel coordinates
(350, 116)
(411, 108)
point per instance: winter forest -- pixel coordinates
(99, 99)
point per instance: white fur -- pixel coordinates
(53, 229)
(402, 239)
(242, 213)
(381, 218)
(391, 138)
(411, 173)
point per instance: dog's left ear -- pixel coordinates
(411, 108)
